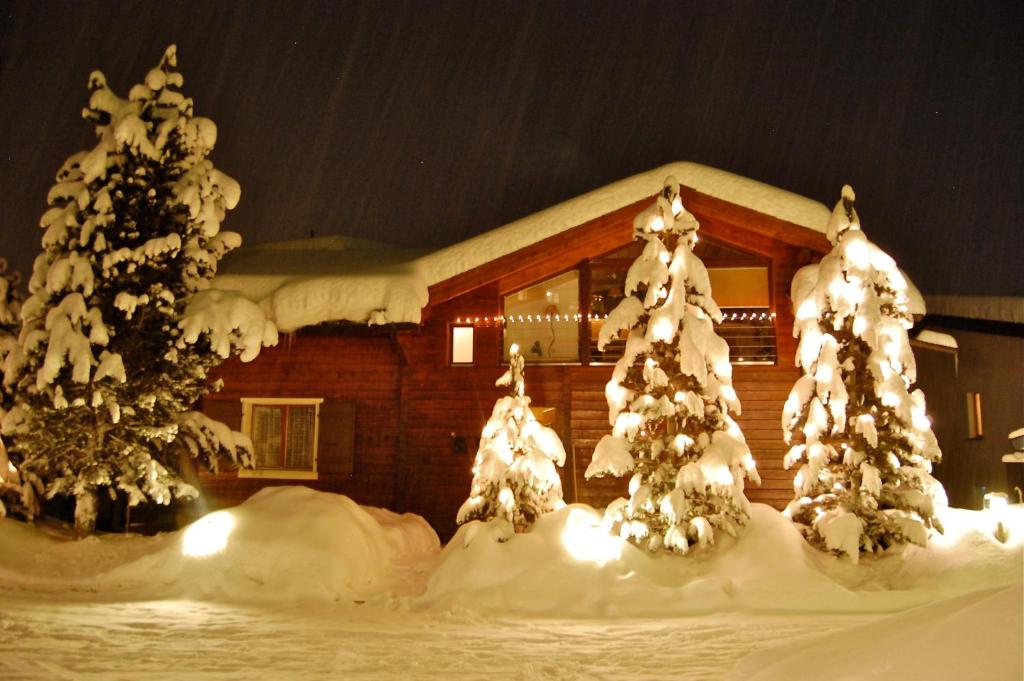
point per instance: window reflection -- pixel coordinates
(544, 320)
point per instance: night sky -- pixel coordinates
(424, 123)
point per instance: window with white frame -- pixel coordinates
(284, 433)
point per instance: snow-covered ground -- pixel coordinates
(302, 584)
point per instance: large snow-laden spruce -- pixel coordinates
(514, 475)
(859, 434)
(110, 361)
(671, 395)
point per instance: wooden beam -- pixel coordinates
(739, 237)
(767, 225)
(557, 253)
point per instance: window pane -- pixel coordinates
(739, 284)
(301, 430)
(742, 287)
(544, 320)
(607, 279)
(462, 345)
(266, 436)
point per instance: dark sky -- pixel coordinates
(423, 123)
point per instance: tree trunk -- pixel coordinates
(85, 512)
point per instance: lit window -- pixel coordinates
(284, 437)
(462, 344)
(739, 285)
(544, 320)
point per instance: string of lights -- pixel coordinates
(534, 318)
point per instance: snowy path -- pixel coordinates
(45, 638)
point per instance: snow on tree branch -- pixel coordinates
(514, 476)
(119, 331)
(859, 433)
(229, 321)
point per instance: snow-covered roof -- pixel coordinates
(310, 281)
(988, 308)
(466, 255)
(936, 338)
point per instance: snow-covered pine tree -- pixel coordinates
(863, 438)
(109, 364)
(10, 322)
(671, 394)
(15, 494)
(514, 476)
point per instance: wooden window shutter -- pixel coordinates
(228, 412)
(336, 449)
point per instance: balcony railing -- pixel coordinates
(750, 333)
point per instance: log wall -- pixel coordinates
(361, 367)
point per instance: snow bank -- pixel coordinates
(287, 543)
(311, 281)
(291, 543)
(283, 544)
(974, 636)
(568, 566)
(44, 556)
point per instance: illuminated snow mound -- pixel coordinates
(288, 543)
(568, 566)
(974, 636)
(283, 544)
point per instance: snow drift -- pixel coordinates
(282, 544)
(569, 566)
(975, 636)
(289, 544)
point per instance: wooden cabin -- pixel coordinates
(382, 397)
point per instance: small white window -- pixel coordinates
(462, 345)
(284, 436)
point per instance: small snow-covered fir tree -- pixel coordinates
(514, 476)
(671, 395)
(116, 338)
(859, 434)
